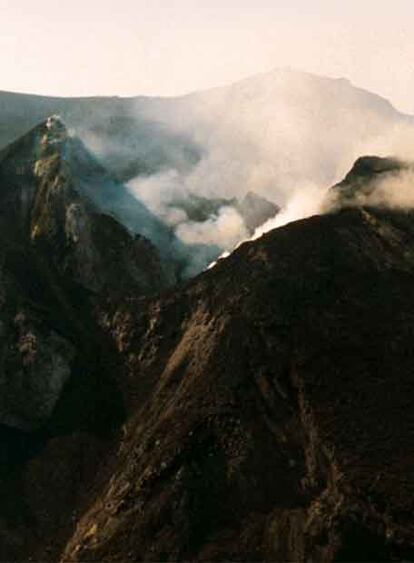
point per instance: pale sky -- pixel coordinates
(169, 47)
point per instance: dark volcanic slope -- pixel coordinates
(58, 250)
(261, 412)
(271, 405)
(49, 148)
(60, 398)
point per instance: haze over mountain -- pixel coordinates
(157, 48)
(259, 411)
(275, 135)
(260, 115)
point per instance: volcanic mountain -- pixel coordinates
(213, 166)
(61, 255)
(261, 411)
(271, 417)
(265, 134)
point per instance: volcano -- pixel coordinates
(260, 411)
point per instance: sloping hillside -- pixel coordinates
(269, 404)
(261, 411)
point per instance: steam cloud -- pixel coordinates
(286, 136)
(310, 200)
(393, 191)
(226, 229)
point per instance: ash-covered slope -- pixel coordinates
(269, 405)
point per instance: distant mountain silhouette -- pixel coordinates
(303, 127)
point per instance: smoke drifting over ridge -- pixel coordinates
(395, 192)
(286, 136)
(391, 190)
(304, 202)
(162, 193)
(389, 183)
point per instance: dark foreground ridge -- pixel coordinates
(276, 420)
(264, 409)
(60, 401)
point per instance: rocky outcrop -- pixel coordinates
(36, 364)
(61, 258)
(60, 252)
(57, 189)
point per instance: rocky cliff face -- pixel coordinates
(61, 256)
(260, 412)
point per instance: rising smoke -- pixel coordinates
(304, 202)
(161, 193)
(286, 136)
(391, 191)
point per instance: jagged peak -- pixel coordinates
(55, 121)
(51, 132)
(55, 130)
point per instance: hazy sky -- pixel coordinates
(167, 47)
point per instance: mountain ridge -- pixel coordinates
(259, 411)
(61, 404)
(237, 82)
(263, 419)
(173, 127)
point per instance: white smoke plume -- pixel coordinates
(224, 230)
(392, 191)
(159, 191)
(305, 202)
(286, 136)
(397, 192)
